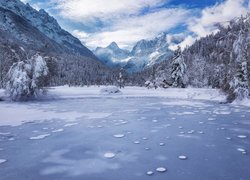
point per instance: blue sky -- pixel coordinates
(99, 22)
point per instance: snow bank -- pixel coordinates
(15, 114)
(110, 90)
(64, 92)
(245, 102)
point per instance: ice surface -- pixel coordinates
(91, 146)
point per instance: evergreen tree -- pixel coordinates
(178, 69)
(240, 84)
(26, 79)
(120, 79)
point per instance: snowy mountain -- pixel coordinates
(144, 54)
(112, 55)
(25, 31)
(47, 25)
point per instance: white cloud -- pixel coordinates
(129, 30)
(220, 13)
(81, 35)
(210, 17)
(183, 40)
(79, 10)
(125, 22)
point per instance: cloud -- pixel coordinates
(207, 22)
(220, 13)
(129, 30)
(127, 22)
(79, 10)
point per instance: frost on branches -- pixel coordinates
(120, 80)
(240, 84)
(178, 69)
(26, 79)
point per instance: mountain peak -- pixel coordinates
(113, 45)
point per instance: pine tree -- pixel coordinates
(120, 79)
(26, 79)
(178, 69)
(240, 84)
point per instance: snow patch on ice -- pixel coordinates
(39, 137)
(2, 161)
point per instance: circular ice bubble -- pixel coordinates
(242, 136)
(182, 157)
(144, 138)
(147, 148)
(241, 150)
(119, 135)
(150, 173)
(228, 138)
(109, 155)
(136, 142)
(162, 144)
(161, 169)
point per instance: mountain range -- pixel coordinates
(144, 54)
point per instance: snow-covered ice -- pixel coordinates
(80, 134)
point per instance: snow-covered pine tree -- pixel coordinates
(26, 79)
(120, 79)
(178, 69)
(240, 86)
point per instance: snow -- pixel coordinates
(2, 161)
(150, 173)
(42, 136)
(95, 140)
(119, 135)
(109, 155)
(58, 130)
(110, 90)
(242, 136)
(182, 157)
(23, 112)
(161, 169)
(63, 92)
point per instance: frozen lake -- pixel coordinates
(126, 138)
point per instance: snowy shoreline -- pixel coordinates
(27, 112)
(65, 92)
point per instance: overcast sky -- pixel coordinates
(100, 22)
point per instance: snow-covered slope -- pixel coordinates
(144, 54)
(112, 55)
(25, 31)
(47, 25)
